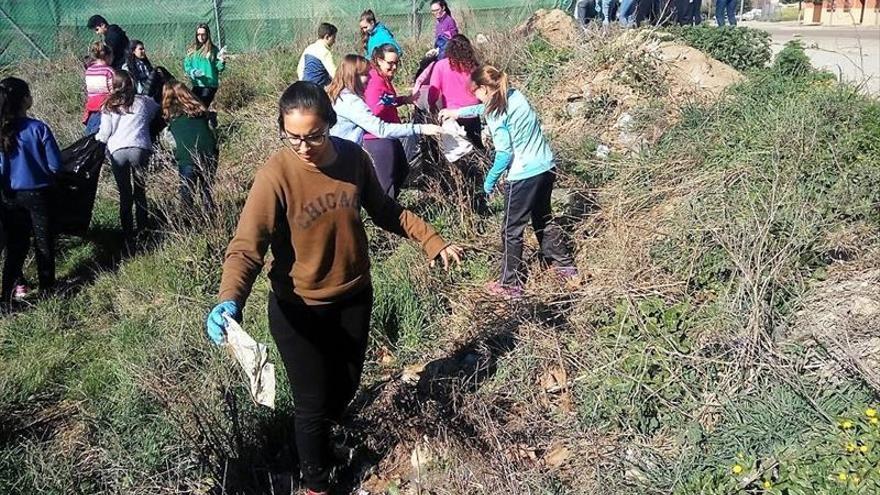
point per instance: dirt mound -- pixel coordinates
(690, 70)
(633, 95)
(555, 26)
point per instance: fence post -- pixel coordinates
(415, 27)
(217, 23)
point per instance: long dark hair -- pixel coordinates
(206, 48)
(131, 60)
(380, 51)
(13, 93)
(461, 54)
(369, 16)
(443, 4)
(122, 95)
(305, 96)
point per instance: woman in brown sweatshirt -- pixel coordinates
(305, 204)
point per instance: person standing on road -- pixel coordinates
(316, 62)
(305, 204)
(522, 151)
(203, 64)
(725, 8)
(585, 11)
(29, 160)
(113, 36)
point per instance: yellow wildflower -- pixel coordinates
(768, 484)
(737, 469)
(873, 421)
(855, 479)
(864, 449)
(851, 447)
(871, 412)
(846, 424)
(842, 476)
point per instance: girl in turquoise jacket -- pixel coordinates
(375, 34)
(203, 65)
(521, 151)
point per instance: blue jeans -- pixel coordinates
(727, 7)
(198, 178)
(93, 123)
(626, 14)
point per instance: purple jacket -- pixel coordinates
(444, 30)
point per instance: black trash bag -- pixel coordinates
(77, 185)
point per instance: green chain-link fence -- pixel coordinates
(44, 28)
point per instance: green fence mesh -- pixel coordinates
(35, 28)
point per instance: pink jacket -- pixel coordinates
(453, 86)
(376, 87)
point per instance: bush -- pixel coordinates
(740, 47)
(792, 61)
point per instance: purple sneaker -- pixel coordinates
(566, 272)
(500, 290)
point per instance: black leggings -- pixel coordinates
(323, 349)
(22, 214)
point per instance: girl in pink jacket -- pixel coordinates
(380, 95)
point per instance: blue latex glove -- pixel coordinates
(388, 100)
(216, 323)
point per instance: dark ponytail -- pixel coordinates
(13, 93)
(306, 97)
(443, 5)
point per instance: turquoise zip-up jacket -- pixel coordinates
(520, 147)
(380, 36)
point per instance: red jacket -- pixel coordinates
(379, 85)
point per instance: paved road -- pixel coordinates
(850, 52)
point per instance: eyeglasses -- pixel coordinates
(393, 63)
(312, 140)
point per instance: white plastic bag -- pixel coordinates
(254, 360)
(453, 141)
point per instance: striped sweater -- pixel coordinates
(99, 82)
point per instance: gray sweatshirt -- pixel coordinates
(128, 130)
